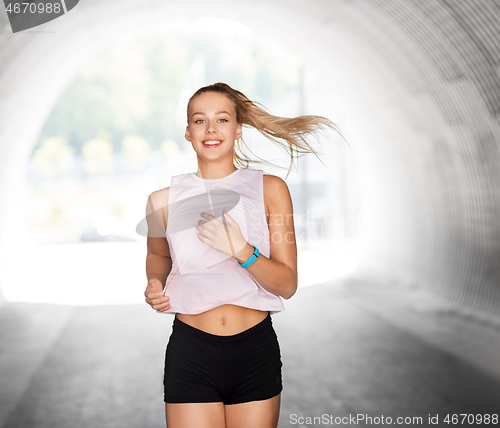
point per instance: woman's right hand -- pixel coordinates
(155, 296)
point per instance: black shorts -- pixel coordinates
(201, 367)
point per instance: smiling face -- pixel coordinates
(212, 127)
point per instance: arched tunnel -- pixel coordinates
(424, 80)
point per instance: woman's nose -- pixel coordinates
(211, 127)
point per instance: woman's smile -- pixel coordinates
(210, 143)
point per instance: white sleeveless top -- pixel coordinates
(203, 278)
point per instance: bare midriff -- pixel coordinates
(224, 320)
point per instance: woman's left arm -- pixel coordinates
(277, 274)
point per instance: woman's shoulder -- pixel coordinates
(276, 194)
(274, 184)
(160, 193)
(159, 198)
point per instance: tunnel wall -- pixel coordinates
(442, 59)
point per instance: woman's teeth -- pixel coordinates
(212, 143)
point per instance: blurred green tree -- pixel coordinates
(98, 157)
(140, 86)
(53, 158)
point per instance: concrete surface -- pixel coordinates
(357, 345)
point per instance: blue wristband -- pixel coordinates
(251, 259)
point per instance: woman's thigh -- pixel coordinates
(199, 415)
(261, 414)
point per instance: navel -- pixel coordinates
(222, 321)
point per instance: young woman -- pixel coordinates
(229, 257)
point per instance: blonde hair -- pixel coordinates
(287, 133)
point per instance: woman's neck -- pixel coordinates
(211, 172)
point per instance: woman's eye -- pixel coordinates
(201, 120)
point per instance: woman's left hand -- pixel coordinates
(224, 237)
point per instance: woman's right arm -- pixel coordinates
(158, 260)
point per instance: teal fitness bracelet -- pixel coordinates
(251, 259)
